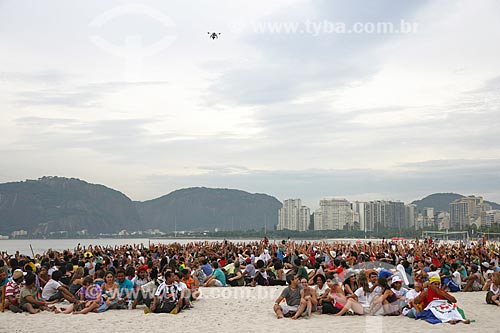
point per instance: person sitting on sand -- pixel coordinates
(237, 280)
(411, 309)
(206, 267)
(321, 289)
(167, 297)
(329, 304)
(301, 271)
(295, 304)
(192, 284)
(138, 281)
(13, 291)
(261, 277)
(361, 300)
(76, 281)
(217, 279)
(198, 273)
(388, 299)
(437, 307)
(309, 294)
(185, 292)
(4, 278)
(109, 292)
(56, 291)
(492, 285)
(249, 271)
(350, 284)
(400, 291)
(91, 297)
(28, 299)
(126, 288)
(474, 280)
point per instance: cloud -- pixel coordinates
(87, 95)
(289, 65)
(40, 77)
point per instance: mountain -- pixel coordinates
(201, 208)
(441, 202)
(52, 204)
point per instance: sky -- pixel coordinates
(296, 99)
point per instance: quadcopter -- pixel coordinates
(213, 35)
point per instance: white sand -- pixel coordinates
(245, 309)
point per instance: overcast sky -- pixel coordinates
(137, 97)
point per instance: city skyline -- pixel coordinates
(139, 97)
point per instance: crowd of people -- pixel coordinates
(415, 278)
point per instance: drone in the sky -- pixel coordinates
(213, 35)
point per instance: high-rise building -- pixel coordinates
(359, 208)
(428, 217)
(443, 220)
(459, 214)
(335, 214)
(381, 214)
(467, 210)
(490, 217)
(410, 215)
(318, 220)
(293, 216)
(304, 218)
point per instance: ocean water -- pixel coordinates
(42, 245)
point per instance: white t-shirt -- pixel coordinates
(321, 291)
(363, 299)
(181, 285)
(400, 292)
(52, 270)
(91, 271)
(457, 279)
(139, 282)
(411, 294)
(50, 289)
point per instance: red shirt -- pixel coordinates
(436, 262)
(431, 296)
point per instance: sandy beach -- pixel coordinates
(246, 309)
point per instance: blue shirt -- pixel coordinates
(280, 254)
(4, 282)
(125, 287)
(207, 269)
(385, 274)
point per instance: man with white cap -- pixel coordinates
(398, 289)
(13, 291)
(485, 270)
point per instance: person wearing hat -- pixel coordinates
(13, 291)
(398, 289)
(436, 304)
(139, 280)
(485, 270)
